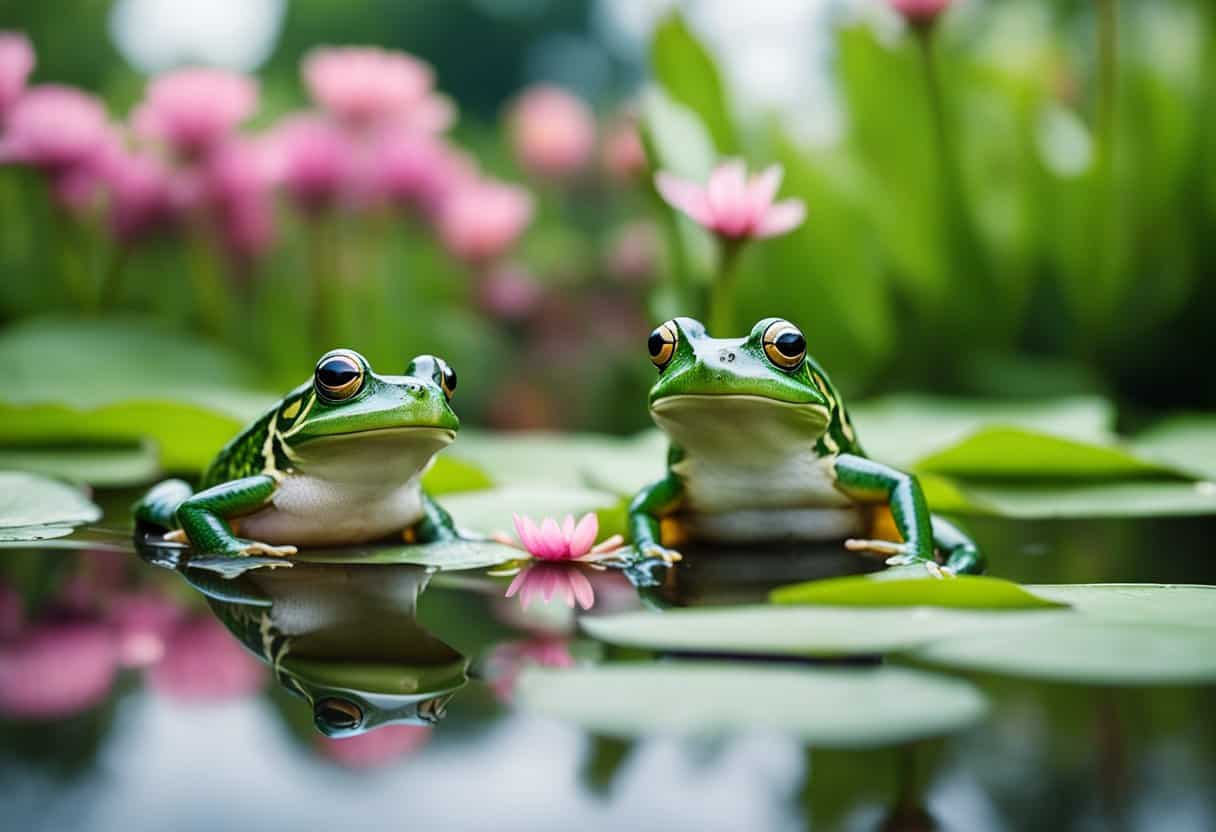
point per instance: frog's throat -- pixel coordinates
(381, 455)
(753, 429)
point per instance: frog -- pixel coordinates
(762, 450)
(336, 461)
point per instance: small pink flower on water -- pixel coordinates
(54, 127)
(195, 109)
(552, 131)
(920, 12)
(316, 160)
(732, 205)
(568, 541)
(482, 219)
(361, 86)
(16, 64)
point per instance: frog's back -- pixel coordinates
(246, 454)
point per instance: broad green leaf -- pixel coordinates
(449, 474)
(1190, 605)
(688, 74)
(106, 466)
(790, 630)
(456, 554)
(824, 707)
(1139, 498)
(964, 592)
(33, 507)
(1185, 442)
(491, 510)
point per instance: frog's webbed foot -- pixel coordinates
(176, 536)
(899, 554)
(254, 547)
(653, 551)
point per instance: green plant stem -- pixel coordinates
(210, 297)
(1104, 170)
(322, 263)
(72, 269)
(722, 290)
(109, 292)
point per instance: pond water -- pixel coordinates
(141, 709)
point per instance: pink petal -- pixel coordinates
(782, 217)
(581, 589)
(688, 197)
(583, 536)
(727, 196)
(550, 579)
(762, 189)
(517, 583)
(524, 528)
(608, 544)
(568, 528)
(567, 586)
(552, 544)
(530, 591)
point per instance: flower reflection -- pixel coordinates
(547, 579)
(204, 663)
(55, 669)
(375, 748)
(506, 661)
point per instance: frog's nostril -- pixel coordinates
(726, 356)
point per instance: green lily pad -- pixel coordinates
(1185, 442)
(455, 554)
(491, 510)
(449, 475)
(104, 466)
(1189, 605)
(33, 507)
(1139, 498)
(124, 381)
(824, 707)
(963, 592)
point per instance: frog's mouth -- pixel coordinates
(386, 455)
(730, 424)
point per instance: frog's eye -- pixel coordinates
(337, 715)
(784, 344)
(662, 344)
(339, 375)
(447, 378)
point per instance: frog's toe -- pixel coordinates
(938, 571)
(657, 552)
(254, 547)
(175, 536)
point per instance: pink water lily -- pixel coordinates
(731, 204)
(569, 541)
(920, 12)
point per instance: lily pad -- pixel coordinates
(824, 707)
(105, 466)
(1138, 498)
(33, 507)
(1186, 442)
(964, 592)
(1189, 605)
(455, 554)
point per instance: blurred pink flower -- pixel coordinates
(16, 64)
(732, 205)
(375, 748)
(624, 156)
(142, 622)
(54, 127)
(413, 169)
(552, 131)
(194, 109)
(203, 662)
(144, 194)
(544, 579)
(920, 12)
(509, 292)
(236, 189)
(634, 252)
(482, 219)
(361, 86)
(569, 541)
(315, 159)
(506, 661)
(57, 669)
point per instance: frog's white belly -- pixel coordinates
(309, 511)
(792, 497)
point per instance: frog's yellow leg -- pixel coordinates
(646, 513)
(203, 517)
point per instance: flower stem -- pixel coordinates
(722, 290)
(109, 291)
(322, 261)
(209, 293)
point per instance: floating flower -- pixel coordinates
(569, 541)
(195, 109)
(483, 219)
(53, 127)
(316, 160)
(732, 205)
(361, 86)
(920, 12)
(552, 131)
(16, 64)
(53, 670)
(204, 663)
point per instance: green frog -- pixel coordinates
(338, 461)
(762, 451)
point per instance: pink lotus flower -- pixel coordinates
(57, 669)
(375, 748)
(316, 161)
(482, 219)
(634, 253)
(203, 662)
(415, 170)
(195, 109)
(16, 64)
(54, 127)
(509, 293)
(237, 191)
(361, 86)
(732, 205)
(569, 541)
(624, 156)
(552, 131)
(920, 12)
(144, 194)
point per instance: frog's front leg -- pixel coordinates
(435, 526)
(646, 513)
(961, 554)
(203, 517)
(868, 481)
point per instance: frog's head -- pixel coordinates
(743, 391)
(349, 418)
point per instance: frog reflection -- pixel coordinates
(344, 638)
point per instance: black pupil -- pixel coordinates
(449, 378)
(656, 343)
(790, 344)
(336, 717)
(336, 373)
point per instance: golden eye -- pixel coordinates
(337, 714)
(447, 379)
(339, 375)
(662, 344)
(784, 344)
